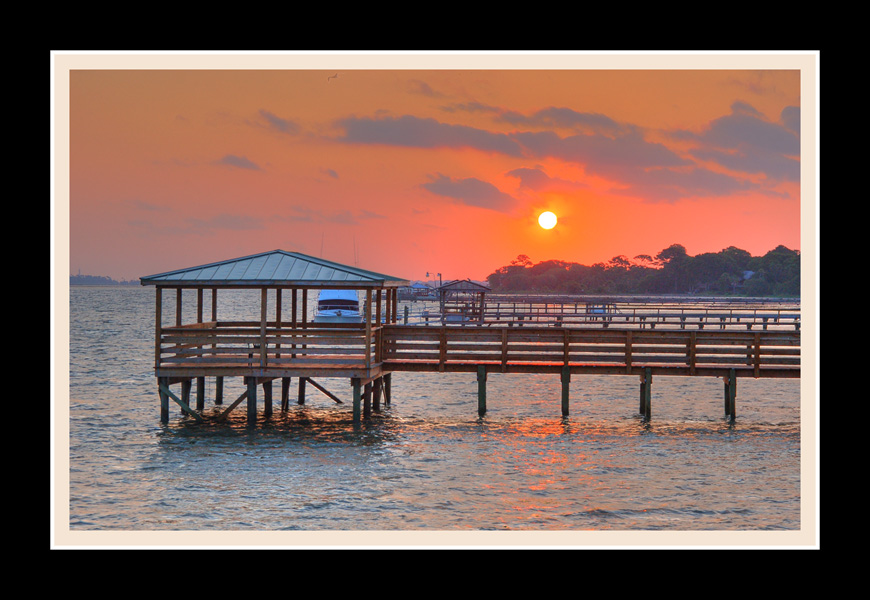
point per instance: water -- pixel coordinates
(427, 463)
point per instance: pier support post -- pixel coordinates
(731, 394)
(566, 380)
(646, 394)
(367, 400)
(481, 390)
(185, 391)
(357, 396)
(200, 393)
(219, 390)
(376, 394)
(252, 400)
(164, 399)
(301, 399)
(388, 380)
(285, 392)
(267, 398)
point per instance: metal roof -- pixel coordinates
(464, 285)
(275, 268)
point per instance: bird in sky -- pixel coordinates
(331, 77)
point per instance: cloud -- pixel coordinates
(470, 191)
(747, 142)
(278, 124)
(238, 161)
(567, 118)
(671, 185)
(602, 155)
(538, 180)
(414, 132)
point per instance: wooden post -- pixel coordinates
(355, 382)
(566, 380)
(301, 399)
(252, 400)
(293, 320)
(731, 394)
(267, 398)
(285, 392)
(178, 307)
(214, 304)
(367, 401)
(185, 391)
(646, 394)
(481, 390)
(200, 393)
(376, 394)
(199, 305)
(378, 295)
(158, 327)
(163, 382)
(388, 378)
(263, 297)
(368, 318)
(219, 390)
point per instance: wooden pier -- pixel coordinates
(279, 348)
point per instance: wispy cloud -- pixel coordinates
(278, 124)
(414, 132)
(240, 162)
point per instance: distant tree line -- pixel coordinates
(731, 271)
(97, 280)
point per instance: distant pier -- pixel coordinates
(596, 337)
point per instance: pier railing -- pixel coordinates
(243, 345)
(545, 349)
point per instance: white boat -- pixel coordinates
(338, 306)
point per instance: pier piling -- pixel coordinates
(481, 390)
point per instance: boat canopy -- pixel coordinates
(326, 295)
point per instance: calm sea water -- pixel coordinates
(427, 463)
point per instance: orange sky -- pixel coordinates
(418, 169)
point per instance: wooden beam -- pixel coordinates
(324, 390)
(165, 390)
(238, 401)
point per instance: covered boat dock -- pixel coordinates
(276, 346)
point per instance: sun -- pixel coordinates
(547, 220)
